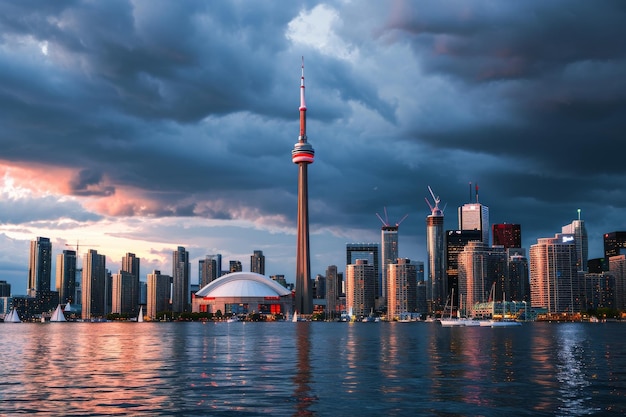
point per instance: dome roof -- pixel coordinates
(243, 284)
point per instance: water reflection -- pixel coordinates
(304, 369)
(571, 372)
(302, 393)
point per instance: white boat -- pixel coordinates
(58, 315)
(295, 317)
(140, 315)
(12, 317)
(450, 321)
(68, 307)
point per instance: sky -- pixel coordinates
(141, 126)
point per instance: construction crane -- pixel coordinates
(78, 246)
(386, 220)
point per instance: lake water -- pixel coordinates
(312, 369)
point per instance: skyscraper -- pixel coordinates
(553, 274)
(507, 235)
(130, 264)
(94, 292)
(303, 155)
(480, 268)
(123, 300)
(235, 266)
(332, 292)
(257, 262)
(209, 269)
(435, 250)
(402, 289)
(389, 254)
(368, 251)
(578, 230)
(455, 243)
(40, 266)
(158, 299)
(614, 244)
(617, 267)
(518, 284)
(180, 277)
(66, 276)
(475, 216)
(360, 297)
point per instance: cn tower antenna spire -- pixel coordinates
(302, 107)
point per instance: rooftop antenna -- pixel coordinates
(477, 192)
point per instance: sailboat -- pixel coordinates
(12, 317)
(58, 315)
(465, 321)
(140, 316)
(68, 307)
(295, 317)
(450, 321)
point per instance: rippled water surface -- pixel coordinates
(316, 369)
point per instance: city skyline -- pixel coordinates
(174, 128)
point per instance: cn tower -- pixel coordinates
(303, 155)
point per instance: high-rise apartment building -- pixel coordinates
(617, 267)
(480, 269)
(553, 274)
(360, 287)
(579, 232)
(598, 290)
(455, 243)
(389, 254)
(40, 266)
(517, 286)
(66, 276)
(401, 289)
(319, 286)
(369, 252)
(614, 244)
(123, 294)
(210, 269)
(332, 292)
(94, 285)
(158, 298)
(507, 235)
(235, 266)
(257, 262)
(435, 250)
(180, 277)
(130, 264)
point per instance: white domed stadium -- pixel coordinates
(243, 293)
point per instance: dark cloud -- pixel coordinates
(167, 109)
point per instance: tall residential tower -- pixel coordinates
(40, 266)
(303, 155)
(180, 281)
(435, 250)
